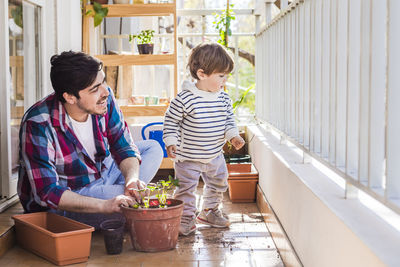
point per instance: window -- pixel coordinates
(22, 81)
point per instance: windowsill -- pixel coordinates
(309, 204)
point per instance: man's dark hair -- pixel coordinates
(73, 71)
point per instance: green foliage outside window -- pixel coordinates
(222, 23)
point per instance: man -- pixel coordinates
(77, 157)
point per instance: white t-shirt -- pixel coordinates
(84, 132)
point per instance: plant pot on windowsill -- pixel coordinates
(230, 149)
(242, 185)
(145, 49)
(238, 163)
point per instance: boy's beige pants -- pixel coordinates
(215, 177)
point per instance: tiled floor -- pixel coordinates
(246, 243)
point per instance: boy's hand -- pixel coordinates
(171, 151)
(237, 142)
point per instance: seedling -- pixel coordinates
(161, 189)
(144, 37)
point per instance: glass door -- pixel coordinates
(21, 83)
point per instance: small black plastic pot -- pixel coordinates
(113, 232)
(145, 48)
(237, 158)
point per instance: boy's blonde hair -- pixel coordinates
(211, 58)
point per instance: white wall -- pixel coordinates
(63, 31)
(324, 228)
(68, 25)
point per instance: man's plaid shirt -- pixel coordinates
(53, 160)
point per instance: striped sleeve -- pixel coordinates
(172, 121)
(230, 125)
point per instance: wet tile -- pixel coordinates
(212, 264)
(151, 262)
(267, 259)
(212, 254)
(252, 217)
(256, 227)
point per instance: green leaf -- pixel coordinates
(16, 13)
(96, 7)
(237, 103)
(97, 19)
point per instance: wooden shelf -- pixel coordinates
(167, 163)
(128, 60)
(135, 110)
(90, 36)
(138, 10)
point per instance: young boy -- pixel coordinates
(197, 124)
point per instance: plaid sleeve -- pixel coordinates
(119, 136)
(38, 156)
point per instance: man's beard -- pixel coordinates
(93, 111)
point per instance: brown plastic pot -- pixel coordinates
(242, 185)
(239, 167)
(56, 238)
(154, 229)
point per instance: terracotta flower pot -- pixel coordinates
(58, 239)
(154, 229)
(242, 184)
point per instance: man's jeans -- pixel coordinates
(112, 183)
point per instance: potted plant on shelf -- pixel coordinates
(154, 222)
(144, 41)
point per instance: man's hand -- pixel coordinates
(71, 201)
(114, 204)
(171, 150)
(237, 142)
(131, 189)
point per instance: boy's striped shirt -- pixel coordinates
(198, 123)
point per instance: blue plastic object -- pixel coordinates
(155, 135)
